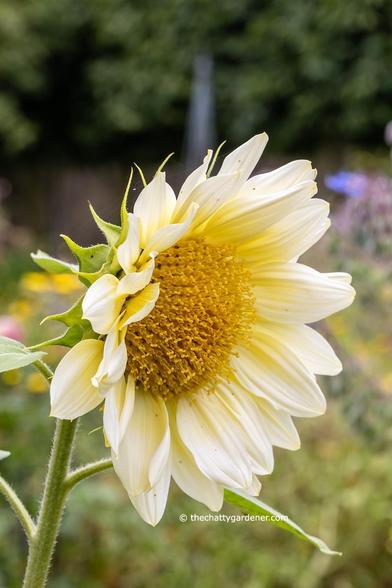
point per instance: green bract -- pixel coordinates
(92, 263)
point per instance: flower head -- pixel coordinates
(200, 351)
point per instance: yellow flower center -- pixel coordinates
(205, 307)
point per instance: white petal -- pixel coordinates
(245, 157)
(151, 504)
(276, 374)
(340, 277)
(242, 220)
(117, 411)
(114, 361)
(282, 178)
(71, 391)
(198, 176)
(129, 251)
(210, 433)
(136, 281)
(167, 236)
(254, 488)
(101, 305)
(144, 449)
(138, 307)
(210, 195)
(295, 293)
(189, 478)
(290, 237)
(311, 348)
(242, 407)
(154, 207)
(278, 426)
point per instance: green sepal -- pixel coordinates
(111, 231)
(52, 265)
(254, 506)
(124, 213)
(111, 266)
(78, 327)
(90, 259)
(14, 355)
(72, 316)
(69, 338)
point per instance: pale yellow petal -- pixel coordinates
(209, 196)
(151, 504)
(198, 176)
(243, 409)
(294, 293)
(154, 207)
(245, 158)
(144, 450)
(264, 370)
(138, 307)
(71, 391)
(114, 360)
(188, 476)
(101, 305)
(290, 237)
(211, 435)
(129, 251)
(311, 348)
(279, 179)
(136, 281)
(243, 220)
(117, 411)
(167, 236)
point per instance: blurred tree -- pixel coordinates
(81, 79)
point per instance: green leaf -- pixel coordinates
(9, 344)
(111, 232)
(4, 454)
(255, 506)
(14, 355)
(53, 265)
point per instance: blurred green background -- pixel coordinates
(87, 88)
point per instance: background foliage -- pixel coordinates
(88, 76)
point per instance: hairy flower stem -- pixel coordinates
(52, 506)
(18, 507)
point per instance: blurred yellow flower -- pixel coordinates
(12, 378)
(35, 282)
(36, 383)
(21, 309)
(59, 283)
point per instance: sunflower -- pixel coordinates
(202, 354)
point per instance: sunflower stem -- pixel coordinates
(44, 369)
(52, 506)
(90, 469)
(19, 508)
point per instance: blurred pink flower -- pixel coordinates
(10, 327)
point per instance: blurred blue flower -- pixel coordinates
(352, 184)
